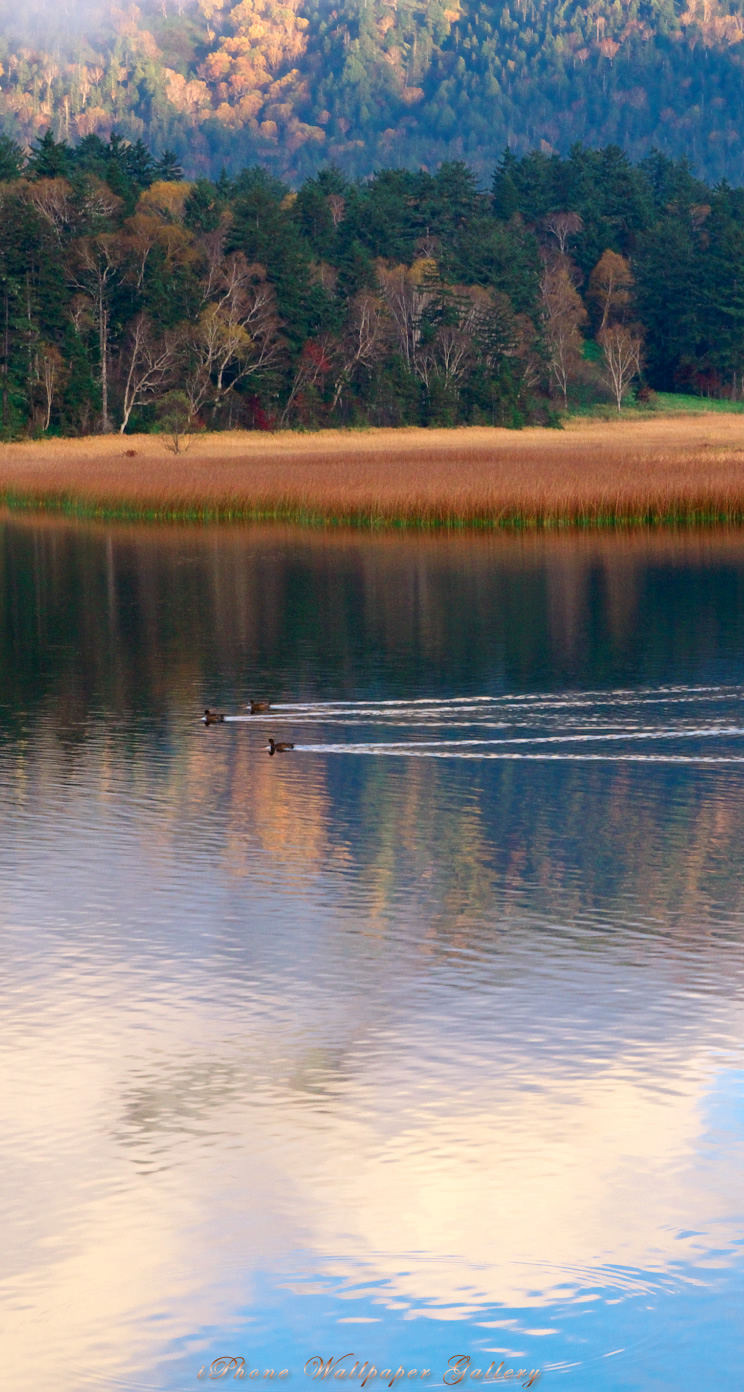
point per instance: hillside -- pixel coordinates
(294, 84)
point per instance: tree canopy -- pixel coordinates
(409, 297)
(380, 83)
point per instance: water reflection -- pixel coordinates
(415, 1056)
(133, 619)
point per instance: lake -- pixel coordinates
(422, 1041)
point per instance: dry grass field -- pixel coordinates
(680, 469)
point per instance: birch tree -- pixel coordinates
(236, 335)
(621, 351)
(94, 271)
(562, 314)
(408, 292)
(51, 369)
(148, 363)
(363, 342)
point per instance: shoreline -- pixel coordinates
(679, 471)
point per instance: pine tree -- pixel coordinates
(49, 158)
(168, 168)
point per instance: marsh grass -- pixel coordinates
(590, 475)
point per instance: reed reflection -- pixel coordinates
(139, 619)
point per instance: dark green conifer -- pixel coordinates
(49, 158)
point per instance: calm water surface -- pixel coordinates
(426, 1039)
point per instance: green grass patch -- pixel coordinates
(679, 401)
(661, 404)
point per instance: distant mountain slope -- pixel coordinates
(297, 83)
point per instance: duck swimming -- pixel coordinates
(275, 748)
(257, 706)
(212, 717)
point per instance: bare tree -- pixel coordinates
(236, 335)
(51, 367)
(98, 203)
(563, 226)
(364, 339)
(451, 351)
(337, 208)
(562, 313)
(174, 416)
(52, 199)
(408, 293)
(149, 363)
(212, 245)
(621, 350)
(483, 328)
(94, 269)
(316, 361)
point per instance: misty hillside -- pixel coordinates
(297, 83)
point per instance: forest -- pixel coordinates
(294, 85)
(132, 299)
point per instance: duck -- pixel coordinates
(275, 748)
(257, 706)
(212, 717)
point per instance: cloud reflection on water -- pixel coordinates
(432, 1042)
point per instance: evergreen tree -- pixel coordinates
(168, 168)
(11, 160)
(203, 207)
(49, 158)
(411, 297)
(668, 299)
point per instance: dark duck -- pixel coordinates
(213, 717)
(275, 748)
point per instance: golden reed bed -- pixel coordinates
(688, 469)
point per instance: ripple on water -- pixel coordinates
(426, 1053)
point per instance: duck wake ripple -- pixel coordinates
(705, 722)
